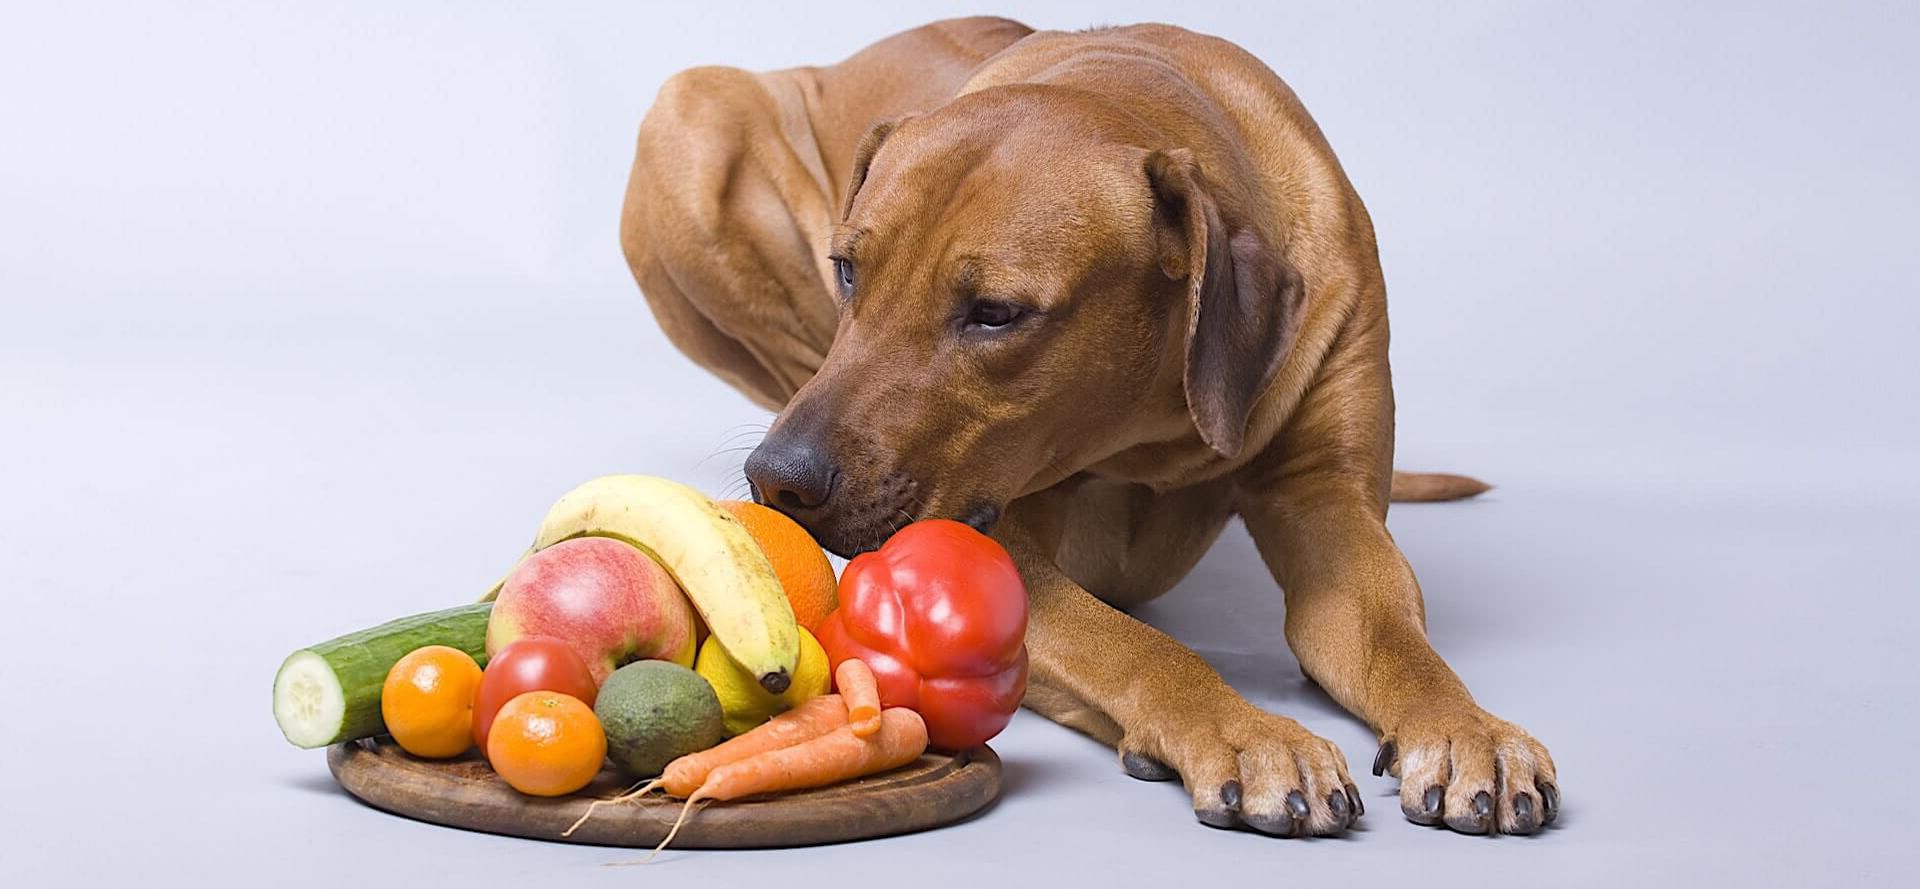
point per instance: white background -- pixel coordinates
(308, 310)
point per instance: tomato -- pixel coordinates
(546, 744)
(535, 663)
(427, 701)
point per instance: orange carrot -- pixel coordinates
(836, 756)
(814, 717)
(855, 681)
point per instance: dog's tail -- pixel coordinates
(1427, 487)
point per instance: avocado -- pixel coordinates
(655, 712)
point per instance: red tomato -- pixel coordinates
(536, 663)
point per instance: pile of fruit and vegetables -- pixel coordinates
(704, 649)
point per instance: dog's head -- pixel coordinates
(1027, 287)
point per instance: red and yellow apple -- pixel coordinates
(610, 602)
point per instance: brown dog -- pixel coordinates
(1097, 292)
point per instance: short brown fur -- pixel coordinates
(1205, 335)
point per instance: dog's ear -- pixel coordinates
(863, 157)
(1243, 299)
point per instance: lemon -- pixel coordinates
(743, 703)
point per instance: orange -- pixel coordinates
(544, 743)
(427, 701)
(800, 563)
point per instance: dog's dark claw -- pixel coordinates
(1524, 821)
(1549, 802)
(1353, 799)
(1337, 801)
(1227, 816)
(1298, 810)
(1384, 759)
(1145, 768)
(1483, 810)
(1290, 822)
(1430, 804)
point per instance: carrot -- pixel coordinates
(855, 681)
(814, 717)
(836, 756)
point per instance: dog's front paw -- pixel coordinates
(1247, 767)
(1464, 768)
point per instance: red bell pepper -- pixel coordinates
(940, 615)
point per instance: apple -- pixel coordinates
(608, 601)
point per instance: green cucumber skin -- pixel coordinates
(361, 660)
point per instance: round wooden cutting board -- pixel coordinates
(937, 789)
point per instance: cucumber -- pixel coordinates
(328, 693)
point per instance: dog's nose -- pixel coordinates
(790, 474)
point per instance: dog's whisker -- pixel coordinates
(703, 460)
(729, 442)
(736, 438)
(739, 487)
(743, 430)
(742, 436)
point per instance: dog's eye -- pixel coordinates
(993, 314)
(843, 276)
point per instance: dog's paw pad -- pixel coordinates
(1145, 768)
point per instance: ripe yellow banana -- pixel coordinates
(706, 550)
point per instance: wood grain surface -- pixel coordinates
(937, 789)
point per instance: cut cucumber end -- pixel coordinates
(328, 693)
(308, 702)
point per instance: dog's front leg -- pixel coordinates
(1357, 624)
(1172, 713)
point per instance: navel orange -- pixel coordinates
(801, 564)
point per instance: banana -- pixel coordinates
(707, 551)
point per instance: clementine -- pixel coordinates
(427, 701)
(544, 743)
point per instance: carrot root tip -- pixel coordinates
(684, 809)
(631, 793)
